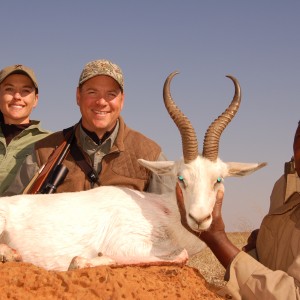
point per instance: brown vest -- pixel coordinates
(119, 167)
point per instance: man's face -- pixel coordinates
(17, 98)
(100, 100)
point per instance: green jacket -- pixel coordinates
(12, 156)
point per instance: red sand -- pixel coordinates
(26, 281)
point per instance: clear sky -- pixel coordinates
(256, 41)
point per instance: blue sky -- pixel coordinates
(256, 41)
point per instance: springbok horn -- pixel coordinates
(187, 132)
(214, 131)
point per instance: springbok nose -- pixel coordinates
(200, 221)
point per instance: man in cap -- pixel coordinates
(104, 151)
(269, 266)
(18, 97)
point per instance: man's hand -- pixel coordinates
(216, 238)
(217, 227)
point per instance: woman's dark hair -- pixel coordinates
(1, 117)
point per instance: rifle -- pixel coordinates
(53, 172)
(296, 148)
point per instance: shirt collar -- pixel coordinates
(87, 142)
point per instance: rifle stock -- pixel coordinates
(296, 148)
(40, 181)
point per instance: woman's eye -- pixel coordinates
(26, 91)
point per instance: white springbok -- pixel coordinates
(70, 230)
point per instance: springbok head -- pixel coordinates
(200, 176)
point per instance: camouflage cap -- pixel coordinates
(18, 69)
(102, 67)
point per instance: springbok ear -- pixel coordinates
(158, 167)
(236, 169)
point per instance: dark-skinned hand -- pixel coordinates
(215, 237)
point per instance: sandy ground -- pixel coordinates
(26, 281)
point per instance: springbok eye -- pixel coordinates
(181, 179)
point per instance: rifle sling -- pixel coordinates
(78, 156)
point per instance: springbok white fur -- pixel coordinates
(124, 225)
(130, 226)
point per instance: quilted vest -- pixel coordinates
(119, 167)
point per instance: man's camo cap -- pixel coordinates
(102, 67)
